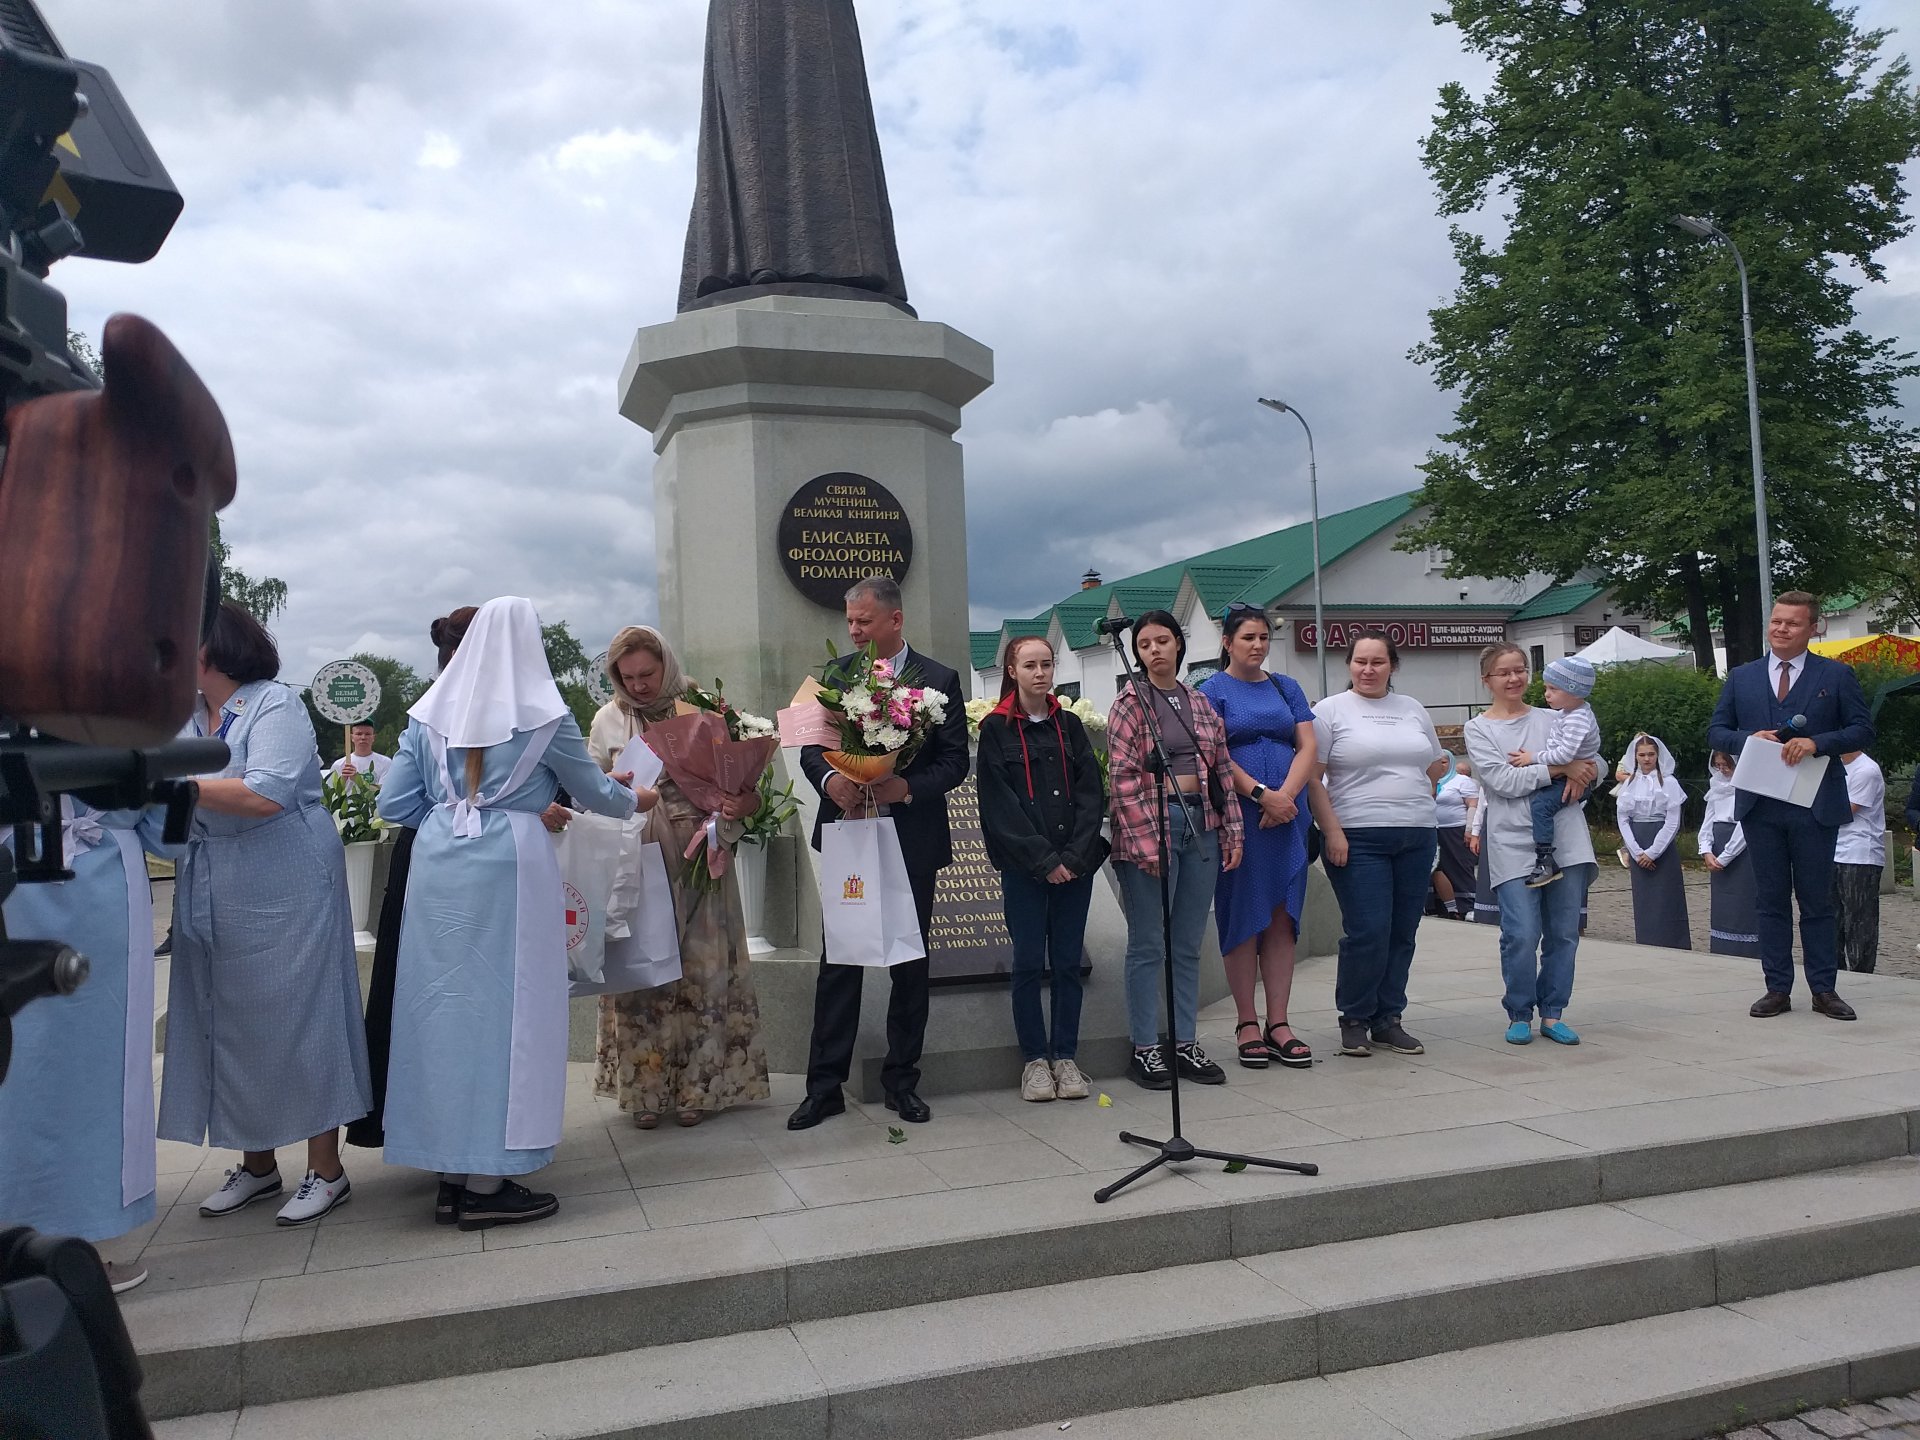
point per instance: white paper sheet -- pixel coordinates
(645, 765)
(1761, 771)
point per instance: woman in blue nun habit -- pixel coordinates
(476, 1079)
(76, 1111)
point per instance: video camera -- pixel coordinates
(108, 487)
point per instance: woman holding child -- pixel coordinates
(1539, 925)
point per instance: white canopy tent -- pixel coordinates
(1618, 647)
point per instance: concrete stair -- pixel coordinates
(1638, 1271)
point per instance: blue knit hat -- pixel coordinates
(1571, 674)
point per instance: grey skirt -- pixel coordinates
(1731, 929)
(1659, 895)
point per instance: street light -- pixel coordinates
(1313, 499)
(1707, 230)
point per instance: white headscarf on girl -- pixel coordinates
(497, 684)
(1630, 764)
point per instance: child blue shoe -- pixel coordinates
(1520, 1032)
(1559, 1032)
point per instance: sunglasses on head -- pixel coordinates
(1239, 608)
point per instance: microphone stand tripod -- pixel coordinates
(1177, 1149)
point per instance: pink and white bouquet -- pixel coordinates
(871, 717)
(714, 756)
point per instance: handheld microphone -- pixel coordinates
(1113, 625)
(1793, 729)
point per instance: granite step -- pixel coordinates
(254, 1343)
(1222, 1328)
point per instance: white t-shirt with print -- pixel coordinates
(1377, 753)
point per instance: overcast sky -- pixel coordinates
(419, 236)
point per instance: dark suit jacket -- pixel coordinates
(926, 844)
(1827, 694)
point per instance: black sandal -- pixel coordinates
(1253, 1053)
(1292, 1051)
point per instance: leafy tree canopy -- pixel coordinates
(1596, 349)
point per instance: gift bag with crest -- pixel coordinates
(589, 854)
(866, 902)
(642, 948)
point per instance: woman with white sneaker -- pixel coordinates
(76, 1111)
(476, 1079)
(1041, 804)
(265, 1042)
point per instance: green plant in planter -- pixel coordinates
(351, 803)
(777, 807)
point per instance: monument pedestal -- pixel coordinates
(751, 401)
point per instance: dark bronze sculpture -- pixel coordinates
(791, 197)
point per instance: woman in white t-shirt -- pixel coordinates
(1379, 757)
(1859, 858)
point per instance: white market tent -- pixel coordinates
(1618, 647)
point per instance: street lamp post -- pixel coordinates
(1707, 230)
(1313, 499)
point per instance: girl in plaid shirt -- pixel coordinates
(1200, 847)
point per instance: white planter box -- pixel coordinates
(360, 881)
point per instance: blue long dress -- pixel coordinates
(1272, 873)
(265, 1042)
(76, 1111)
(476, 1077)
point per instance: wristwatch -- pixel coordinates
(1257, 791)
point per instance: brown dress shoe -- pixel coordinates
(1832, 1006)
(1774, 1002)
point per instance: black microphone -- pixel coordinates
(1113, 624)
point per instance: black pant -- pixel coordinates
(1792, 857)
(836, 1012)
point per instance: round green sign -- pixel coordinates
(346, 692)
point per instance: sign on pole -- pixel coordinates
(599, 684)
(346, 692)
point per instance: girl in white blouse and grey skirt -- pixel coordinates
(1648, 805)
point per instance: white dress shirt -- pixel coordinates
(1794, 667)
(1863, 839)
(1652, 798)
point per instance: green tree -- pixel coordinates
(567, 658)
(400, 686)
(263, 597)
(83, 351)
(1596, 349)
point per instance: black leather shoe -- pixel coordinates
(815, 1108)
(1773, 1002)
(1833, 1007)
(909, 1107)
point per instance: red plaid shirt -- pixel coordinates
(1136, 823)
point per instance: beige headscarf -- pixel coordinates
(672, 681)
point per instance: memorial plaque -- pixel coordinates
(840, 528)
(969, 940)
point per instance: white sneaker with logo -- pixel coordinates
(1036, 1081)
(1068, 1082)
(314, 1198)
(239, 1190)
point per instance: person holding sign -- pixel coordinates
(265, 1044)
(1809, 706)
(360, 759)
(692, 1046)
(476, 1080)
(916, 799)
(1041, 804)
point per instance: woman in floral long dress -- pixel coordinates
(693, 1046)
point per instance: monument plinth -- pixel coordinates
(767, 415)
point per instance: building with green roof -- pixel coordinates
(1439, 622)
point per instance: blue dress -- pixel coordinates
(265, 1042)
(76, 1111)
(476, 1077)
(1272, 873)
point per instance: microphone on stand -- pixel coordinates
(1113, 625)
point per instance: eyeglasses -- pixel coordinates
(1508, 674)
(1237, 609)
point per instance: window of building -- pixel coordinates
(1068, 691)
(1538, 655)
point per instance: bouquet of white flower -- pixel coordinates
(881, 716)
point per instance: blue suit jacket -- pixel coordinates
(1828, 694)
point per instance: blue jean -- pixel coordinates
(1382, 890)
(1046, 922)
(1192, 870)
(1543, 922)
(1792, 856)
(1546, 803)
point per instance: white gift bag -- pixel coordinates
(589, 854)
(866, 902)
(648, 954)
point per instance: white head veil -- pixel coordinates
(1630, 765)
(497, 684)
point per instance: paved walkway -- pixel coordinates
(1895, 1418)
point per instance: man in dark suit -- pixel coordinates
(1814, 705)
(916, 799)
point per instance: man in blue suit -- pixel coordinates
(1815, 706)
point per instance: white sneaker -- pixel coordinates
(124, 1275)
(1068, 1082)
(240, 1189)
(314, 1198)
(1036, 1081)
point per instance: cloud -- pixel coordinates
(419, 237)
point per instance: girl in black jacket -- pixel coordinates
(1041, 804)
